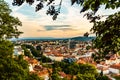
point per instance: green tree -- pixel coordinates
(11, 67)
(88, 47)
(8, 23)
(34, 76)
(103, 78)
(36, 53)
(74, 69)
(85, 77)
(6, 49)
(55, 75)
(27, 52)
(33, 50)
(108, 34)
(87, 68)
(45, 59)
(38, 47)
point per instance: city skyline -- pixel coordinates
(70, 22)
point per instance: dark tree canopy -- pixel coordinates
(86, 4)
(8, 23)
(108, 34)
(94, 5)
(86, 34)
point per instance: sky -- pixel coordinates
(70, 22)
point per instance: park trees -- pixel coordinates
(27, 52)
(81, 71)
(34, 52)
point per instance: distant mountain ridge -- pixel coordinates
(79, 38)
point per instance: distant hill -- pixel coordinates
(80, 38)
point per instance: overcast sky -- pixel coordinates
(70, 22)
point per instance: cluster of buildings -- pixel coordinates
(70, 51)
(37, 68)
(34, 64)
(80, 54)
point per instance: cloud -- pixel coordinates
(56, 27)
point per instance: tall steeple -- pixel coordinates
(69, 43)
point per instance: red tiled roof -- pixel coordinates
(116, 66)
(62, 74)
(102, 68)
(81, 61)
(31, 60)
(43, 72)
(38, 68)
